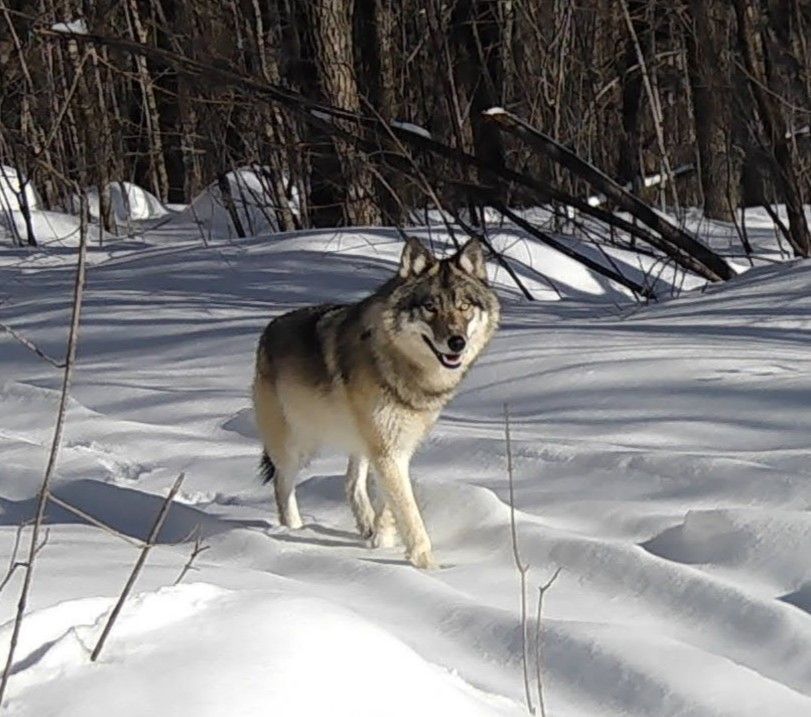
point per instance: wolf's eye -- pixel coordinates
(464, 306)
(429, 305)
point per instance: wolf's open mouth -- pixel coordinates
(447, 360)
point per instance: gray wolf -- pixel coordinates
(370, 379)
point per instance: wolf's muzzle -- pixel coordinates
(447, 360)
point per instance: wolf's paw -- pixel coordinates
(422, 559)
(292, 522)
(383, 539)
(366, 527)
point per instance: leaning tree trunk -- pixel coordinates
(333, 45)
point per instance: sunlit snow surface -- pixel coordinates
(661, 461)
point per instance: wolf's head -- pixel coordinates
(441, 312)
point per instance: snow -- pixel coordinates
(661, 461)
(129, 202)
(74, 27)
(252, 201)
(413, 128)
(10, 191)
(238, 652)
(48, 226)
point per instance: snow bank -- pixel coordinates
(11, 189)
(660, 458)
(48, 226)
(129, 203)
(201, 650)
(251, 200)
(74, 27)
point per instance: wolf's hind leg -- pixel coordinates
(357, 493)
(280, 447)
(285, 489)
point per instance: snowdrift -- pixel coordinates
(247, 206)
(661, 462)
(128, 201)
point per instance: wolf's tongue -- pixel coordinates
(451, 360)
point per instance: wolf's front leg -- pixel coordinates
(396, 484)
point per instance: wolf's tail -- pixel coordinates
(266, 468)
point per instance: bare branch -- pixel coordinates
(31, 345)
(139, 564)
(198, 548)
(521, 567)
(94, 521)
(538, 666)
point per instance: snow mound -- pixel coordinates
(11, 188)
(74, 27)
(245, 653)
(48, 226)
(246, 207)
(129, 203)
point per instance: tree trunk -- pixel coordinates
(333, 44)
(709, 73)
(762, 85)
(160, 178)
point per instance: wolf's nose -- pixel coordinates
(456, 343)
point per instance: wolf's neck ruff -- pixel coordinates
(370, 379)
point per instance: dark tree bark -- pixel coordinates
(332, 20)
(761, 75)
(708, 64)
(628, 167)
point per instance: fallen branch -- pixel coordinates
(139, 564)
(568, 251)
(706, 262)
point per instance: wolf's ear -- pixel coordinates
(415, 259)
(470, 258)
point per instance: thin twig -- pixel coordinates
(42, 500)
(94, 521)
(139, 564)
(13, 563)
(538, 668)
(198, 548)
(522, 569)
(31, 345)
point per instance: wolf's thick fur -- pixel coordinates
(370, 379)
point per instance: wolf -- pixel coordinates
(370, 380)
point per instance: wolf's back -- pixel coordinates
(292, 340)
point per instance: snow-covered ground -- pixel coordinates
(661, 462)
